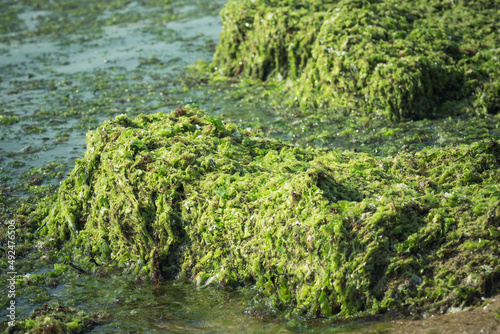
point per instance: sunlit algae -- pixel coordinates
(317, 231)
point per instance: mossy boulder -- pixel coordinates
(56, 319)
(319, 232)
(263, 38)
(406, 60)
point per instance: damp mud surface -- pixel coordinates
(272, 210)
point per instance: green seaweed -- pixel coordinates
(61, 18)
(448, 252)
(409, 60)
(262, 105)
(318, 231)
(8, 120)
(55, 318)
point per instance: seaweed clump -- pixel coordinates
(405, 60)
(56, 319)
(319, 232)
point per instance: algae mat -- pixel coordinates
(320, 232)
(404, 60)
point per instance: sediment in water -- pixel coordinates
(319, 232)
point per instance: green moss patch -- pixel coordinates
(56, 319)
(405, 60)
(319, 232)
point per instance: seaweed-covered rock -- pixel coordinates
(318, 231)
(56, 319)
(406, 60)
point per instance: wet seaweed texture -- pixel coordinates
(405, 60)
(57, 319)
(319, 232)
